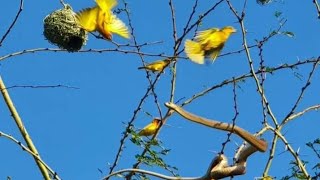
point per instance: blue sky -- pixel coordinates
(78, 131)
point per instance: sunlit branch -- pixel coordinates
(291, 150)
(296, 115)
(272, 152)
(22, 129)
(36, 156)
(261, 145)
(158, 175)
(218, 168)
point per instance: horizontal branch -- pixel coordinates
(85, 51)
(152, 174)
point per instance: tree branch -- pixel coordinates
(22, 128)
(261, 145)
(55, 175)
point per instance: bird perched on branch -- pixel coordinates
(156, 66)
(151, 128)
(100, 18)
(207, 44)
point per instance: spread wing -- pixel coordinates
(203, 36)
(115, 25)
(87, 18)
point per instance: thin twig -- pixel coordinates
(84, 51)
(63, 3)
(251, 66)
(150, 88)
(303, 89)
(42, 86)
(200, 19)
(245, 76)
(317, 7)
(173, 18)
(13, 23)
(24, 148)
(291, 150)
(236, 113)
(298, 114)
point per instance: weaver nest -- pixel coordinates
(61, 29)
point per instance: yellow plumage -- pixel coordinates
(100, 18)
(151, 128)
(207, 44)
(157, 65)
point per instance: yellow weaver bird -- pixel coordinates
(100, 18)
(207, 44)
(151, 128)
(157, 65)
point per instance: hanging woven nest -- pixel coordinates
(61, 29)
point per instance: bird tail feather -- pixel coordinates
(194, 51)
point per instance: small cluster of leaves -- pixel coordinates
(295, 171)
(152, 157)
(315, 146)
(297, 174)
(264, 2)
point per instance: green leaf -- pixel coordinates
(288, 33)
(317, 141)
(269, 69)
(277, 14)
(263, 2)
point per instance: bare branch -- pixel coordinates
(317, 7)
(248, 54)
(24, 148)
(13, 23)
(133, 170)
(296, 115)
(42, 86)
(303, 89)
(83, 51)
(294, 154)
